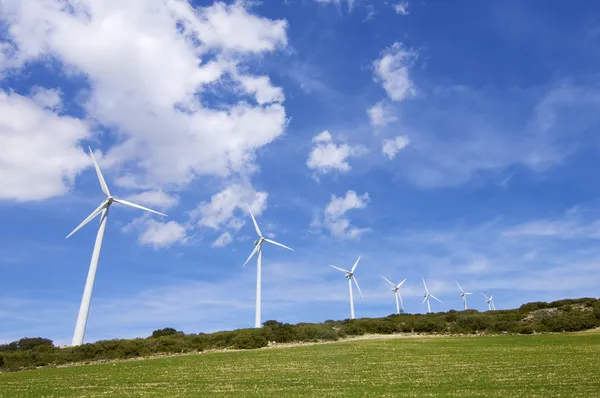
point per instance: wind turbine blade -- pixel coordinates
(256, 248)
(355, 264)
(255, 223)
(401, 283)
(278, 244)
(358, 287)
(432, 296)
(491, 297)
(388, 281)
(461, 289)
(339, 269)
(486, 297)
(424, 284)
(89, 218)
(468, 293)
(127, 203)
(424, 300)
(99, 173)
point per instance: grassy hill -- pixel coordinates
(546, 365)
(539, 317)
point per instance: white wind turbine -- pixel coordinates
(464, 295)
(489, 301)
(258, 249)
(350, 276)
(427, 296)
(396, 290)
(89, 284)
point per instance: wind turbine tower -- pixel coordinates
(490, 302)
(397, 295)
(258, 249)
(464, 295)
(427, 296)
(350, 276)
(89, 284)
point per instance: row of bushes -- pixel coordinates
(567, 315)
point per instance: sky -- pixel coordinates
(455, 141)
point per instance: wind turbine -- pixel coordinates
(395, 289)
(427, 296)
(258, 249)
(490, 302)
(89, 284)
(350, 276)
(464, 295)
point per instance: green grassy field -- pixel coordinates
(561, 365)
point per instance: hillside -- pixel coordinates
(540, 317)
(546, 365)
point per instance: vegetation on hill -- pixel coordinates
(538, 317)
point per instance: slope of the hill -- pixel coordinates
(546, 365)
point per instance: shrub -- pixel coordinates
(249, 338)
(165, 332)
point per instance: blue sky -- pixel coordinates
(457, 141)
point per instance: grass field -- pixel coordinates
(560, 365)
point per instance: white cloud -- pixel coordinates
(327, 156)
(392, 146)
(392, 71)
(162, 234)
(335, 219)
(573, 225)
(381, 114)
(219, 212)
(46, 97)
(223, 240)
(338, 3)
(154, 198)
(401, 8)
(466, 134)
(149, 66)
(40, 156)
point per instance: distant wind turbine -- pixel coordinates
(490, 302)
(89, 284)
(396, 290)
(350, 276)
(427, 296)
(464, 295)
(258, 249)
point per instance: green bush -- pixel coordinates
(165, 332)
(249, 339)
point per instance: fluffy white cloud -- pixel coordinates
(223, 240)
(401, 8)
(40, 156)
(392, 146)
(162, 234)
(155, 198)
(392, 71)
(381, 114)
(149, 65)
(335, 218)
(46, 98)
(328, 156)
(219, 212)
